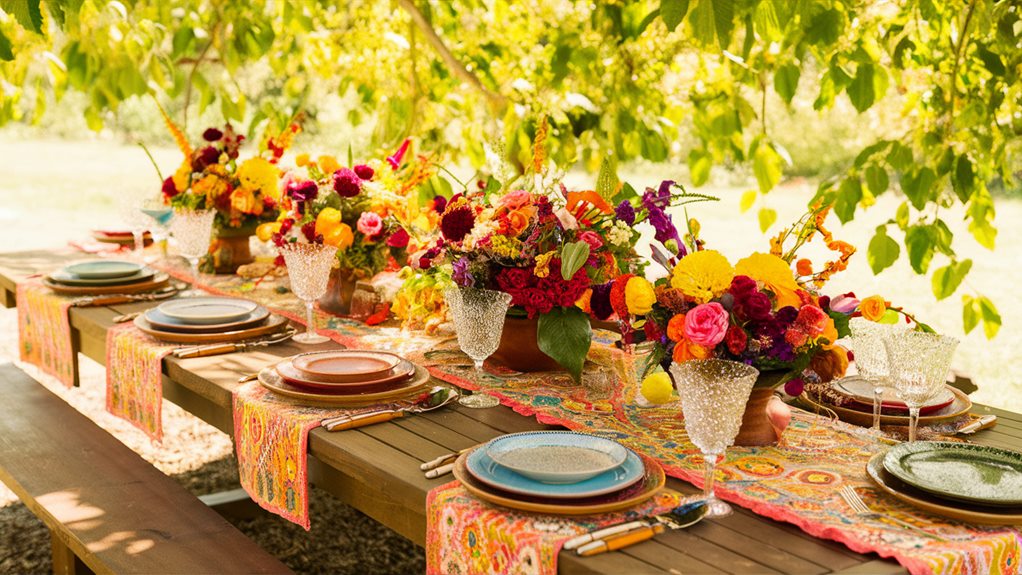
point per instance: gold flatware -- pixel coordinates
(435, 398)
(440, 471)
(622, 535)
(852, 498)
(221, 348)
(443, 459)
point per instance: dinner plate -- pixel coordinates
(207, 310)
(959, 407)
(154, 283)
(401, 372)
(861, 392)
(348, 365)
(274, 323)
(160, 321)
(66, 278)
(488, 471)
(120, 237)
(651, 481)
(556, 457)
(961, 511)
(270, 379)
(101, 269)
(967, 472)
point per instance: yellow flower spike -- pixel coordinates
(265, 231)
(327, 220)
(639, 296)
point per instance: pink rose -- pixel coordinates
(706, 324)
(846, 303)
(593, 239)
(370, 224)
(514, 200)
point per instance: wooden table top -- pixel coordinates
(376, 469)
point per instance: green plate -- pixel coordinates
(959, 471)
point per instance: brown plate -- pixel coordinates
(652, 481)
(933, 504)
(163, 323)
(401, 372)
(348, 365)
(959, 407)
(270, 379)
(120, 237)
(156, 282)
(272, 324)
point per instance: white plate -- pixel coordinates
(207, 310)
(102, 269)
(556, 457)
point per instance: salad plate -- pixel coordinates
(978, 474)
(556, 456)
(208, 310)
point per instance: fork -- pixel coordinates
(854, 500)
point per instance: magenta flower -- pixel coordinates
(370, 224)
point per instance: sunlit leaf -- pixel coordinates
(748, 198)
(673, 12)
(786, 81)
(883, 251)
(767, 217)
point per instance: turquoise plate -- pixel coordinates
(488, 471)
(959, 471)
(556, 456)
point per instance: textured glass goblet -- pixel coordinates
(713, 397)
(478, 316)
(192, 230)
(867, 341)
(919, 363)
(308, 266)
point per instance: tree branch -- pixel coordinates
(496, 100)
(958, 59)
(195, 67)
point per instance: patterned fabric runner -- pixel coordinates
(44, 331)
(465, 535)
(134, 378)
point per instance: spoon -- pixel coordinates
(435, 398)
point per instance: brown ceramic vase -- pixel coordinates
(518, 349)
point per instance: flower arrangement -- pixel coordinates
(759, 311)
(243, 192)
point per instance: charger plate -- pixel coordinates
(271, 380)
(652, 481)
(860, 392)
(273, 324)
(977, 474)
(162, 322)
(959, 407)
(931, 504)
(157, 281)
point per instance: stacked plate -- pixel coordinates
(559, 472)
(105, 277)
(122, 237)
(345, 377)
(964, 481)
(852, 399)
(208, 319)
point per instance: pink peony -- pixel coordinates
(370, 224)
(593, 239)
(514, 200)
(706, 324)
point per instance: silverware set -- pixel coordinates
(221, 348)
(854, 500)
(115, 299)
(436, 398)
(442, 465)
(629, 533)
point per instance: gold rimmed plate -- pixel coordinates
(270, 379)
(273, 324)
(154, 283)
(652, 482)
(959, 407)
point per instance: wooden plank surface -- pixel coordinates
(113, 509)
(375, 469)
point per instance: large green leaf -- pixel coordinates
(876, 180)
(766, 165)
(848, 197)
(713, 19)
(920, 241)
(918, 186)
(767, 217)
(5, 47)
(883, 251)
(27, 13)
(786, 81)
(861, 91)
(991, 317)
(964, 179)
(947, 279)
(673, 12)
(573, 257)
(565, 335)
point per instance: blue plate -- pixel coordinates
(163, 322)
(488, 471)
(556, 456)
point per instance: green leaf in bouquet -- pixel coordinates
(565, 335)
(573, 257)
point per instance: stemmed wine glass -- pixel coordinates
(478, 316)
(308, 267)
(919, 364)
(160, 214)
(713, 397)
(867, 341)
(192, 230)
(128, 203)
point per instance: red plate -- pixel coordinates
(345, 366)
(396, 376)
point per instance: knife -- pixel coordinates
(625, 534)
(221, 348)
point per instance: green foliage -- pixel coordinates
(883, 251)
(565, 335)
(573, 257)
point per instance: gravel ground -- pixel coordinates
(200, 457)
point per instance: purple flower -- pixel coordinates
(363, 171)
(625, 212)
(439, 204)
(347, 184)
(461, 275)
(302, 192)
(660, 198)
(600, 301)
(663, 225)
(846, 303)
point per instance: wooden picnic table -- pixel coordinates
(376, 469)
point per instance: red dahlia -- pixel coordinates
(457, 222)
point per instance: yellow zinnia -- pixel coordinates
(260, 176)
(639, 296)
(774, 274)
(702, 276)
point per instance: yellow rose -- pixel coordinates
(327, 220)
(340, 237)
(301, 160)
(873, 308)
(639, 296)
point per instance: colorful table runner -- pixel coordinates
(465, 535)
(44, 331)
(134, 378)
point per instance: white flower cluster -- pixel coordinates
(620, 234)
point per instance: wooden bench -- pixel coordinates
(108, 510)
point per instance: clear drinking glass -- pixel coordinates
(192, 230)
(308, 266)
(713, 397)
(478, 316)
(137, 222)
(160, 215)
(919, 364)
(867, 341)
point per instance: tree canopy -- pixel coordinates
(614, 80)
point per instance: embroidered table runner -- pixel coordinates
(466, 535)
(44, 331)
(134, 378)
